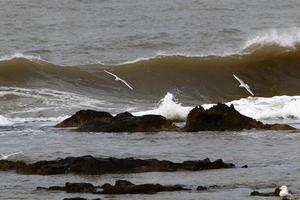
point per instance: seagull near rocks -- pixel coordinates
(243, 84)
(5, 157)
(119, 79)
(285, 195)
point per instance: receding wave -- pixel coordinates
(269, 69)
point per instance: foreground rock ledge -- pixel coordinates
(120, 187)
(218, 118)
(96, 166)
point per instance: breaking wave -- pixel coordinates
(260, 108)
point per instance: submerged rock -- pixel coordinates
(120, 187)
(126, 187)
(97, 166)
(79, 198)
(225, 118)
(75, 188)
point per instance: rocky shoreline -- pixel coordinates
(218, 118)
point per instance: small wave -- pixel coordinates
(285, 38)
(20, 55)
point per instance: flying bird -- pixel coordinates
(119, 79)
(243, 84)
(4, 157)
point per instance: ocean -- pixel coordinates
(176, 55)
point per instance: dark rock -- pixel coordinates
(201, 188)
(75, 188)
(125, 122)
(224, 118)
(266, 194)
(97, 166)
(79, 198)
(120, 187)
(126, 187)
(84, 116)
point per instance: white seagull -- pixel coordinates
(4, 157)
(284, 191)
(243, 84)
(119, 79)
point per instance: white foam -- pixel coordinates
(286, 38)
(277, 107)
(20, 55)
(260, 108)
(169, 108)
(4, 121)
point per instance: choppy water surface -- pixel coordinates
(272, 158)
(176, 55)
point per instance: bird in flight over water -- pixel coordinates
(243, 84)
(119, 79)
(4, 157)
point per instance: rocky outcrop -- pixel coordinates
(94, 121)
(85, 116)
(225, 118)
(120, 187)
(96, 166)
(129, 123)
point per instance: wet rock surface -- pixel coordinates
(120, 187)
(218, 118)
(225, 118)
(95, 121)
(96, 166)
(85, 116)
(275, 193)
(130, 123)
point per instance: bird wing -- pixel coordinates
(13, 154)
(111, 74)
(248, 89)
(126, 84)
(239, 80)
(118, 79)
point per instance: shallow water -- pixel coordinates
(272, 158)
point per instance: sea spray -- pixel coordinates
(169, 108)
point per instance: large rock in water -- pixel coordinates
(224, 118)
(85, 116)
(90, 165)
(94, 121)
(129, 123)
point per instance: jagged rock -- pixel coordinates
(94, 121)
(224, 118)
(126, 122)
(97, 166)
(84, 116)
(120, 187)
